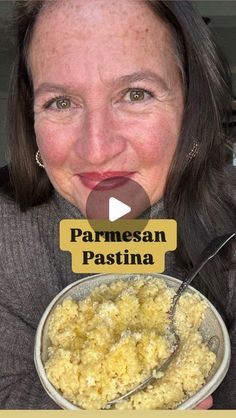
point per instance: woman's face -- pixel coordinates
(108, 95)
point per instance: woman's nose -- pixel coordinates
(99, 140)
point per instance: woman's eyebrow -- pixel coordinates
(125, 79)
(146, 75)
(50, 88)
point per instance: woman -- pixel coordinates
(100, 88)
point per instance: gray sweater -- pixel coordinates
(32, 271)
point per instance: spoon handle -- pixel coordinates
(210, 251)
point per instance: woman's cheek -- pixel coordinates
(156, 143)
(54, 144)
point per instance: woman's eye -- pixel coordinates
(137, 95)
(58, 103)
(62, 103)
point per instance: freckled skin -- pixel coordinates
(88, 45)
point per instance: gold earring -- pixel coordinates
(39, 160)
(194, 151)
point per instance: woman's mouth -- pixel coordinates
(105, 180)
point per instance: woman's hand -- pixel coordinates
(206, 404)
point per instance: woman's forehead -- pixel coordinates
(84, 33)
(98, 18)
(95, 12)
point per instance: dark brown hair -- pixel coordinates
(196, 194)
(22, 143)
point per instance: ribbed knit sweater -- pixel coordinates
(32, 271)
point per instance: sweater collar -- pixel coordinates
(67, 210)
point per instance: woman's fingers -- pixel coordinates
(206, 404)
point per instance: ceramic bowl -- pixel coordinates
(212, 326)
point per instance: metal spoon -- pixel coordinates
(210, 251)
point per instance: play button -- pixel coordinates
(117, 209)
(117, 198)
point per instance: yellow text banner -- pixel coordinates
(125, 246)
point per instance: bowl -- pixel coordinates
(212, 326)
